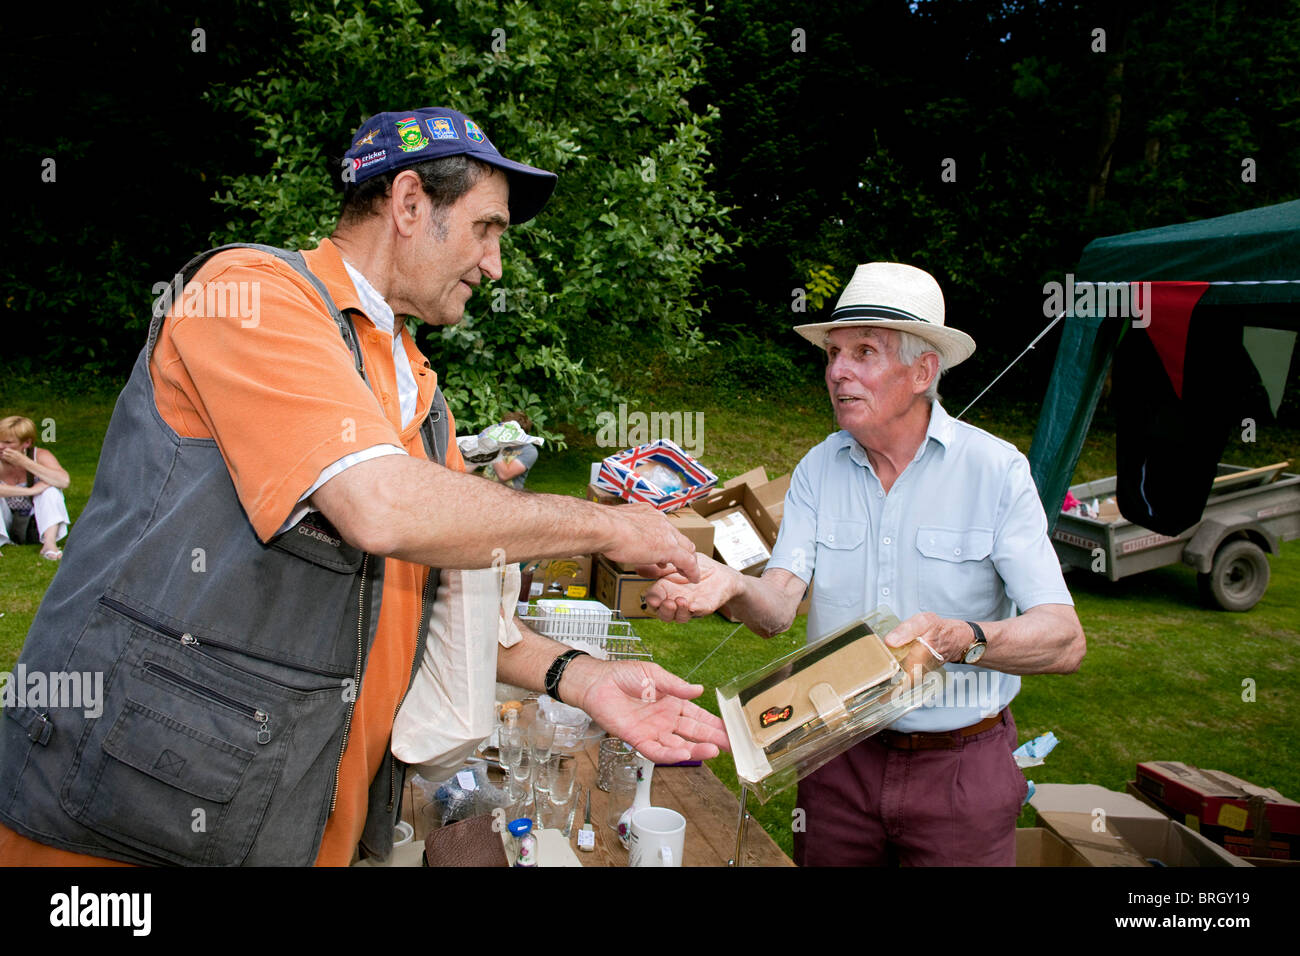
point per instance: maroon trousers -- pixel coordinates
(877, 806)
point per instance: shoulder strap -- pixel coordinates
(434, 430)
(163, 304)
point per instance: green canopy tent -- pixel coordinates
(1215, 335)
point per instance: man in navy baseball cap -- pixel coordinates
(394, 140)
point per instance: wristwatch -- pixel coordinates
(556, 671)
(977, 647)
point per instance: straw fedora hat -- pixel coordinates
(891, 295)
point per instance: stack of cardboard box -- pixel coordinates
(1100, 827)
(732, 523)
(1250, 821)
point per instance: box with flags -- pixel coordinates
(629, 475)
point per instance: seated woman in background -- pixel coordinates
(31, 490)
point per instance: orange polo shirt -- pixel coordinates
(279, 393)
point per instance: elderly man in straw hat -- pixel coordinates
(908, 508)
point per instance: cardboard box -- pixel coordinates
(1242, 846)
(1244, 818)
(695, 526)
(737, 542)
(772, 497)
(563, 577)
(1108, 828)
(602, 497)
(1038, 846)
(741, 497)
(620, 590)
(619, 475)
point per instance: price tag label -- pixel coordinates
(1235, 818)
(586, 839)
(466, 780)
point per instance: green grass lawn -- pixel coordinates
(1163, 680)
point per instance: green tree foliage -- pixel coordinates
(595, 91)
(833, 150)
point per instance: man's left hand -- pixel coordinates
(647, 706)
(949, 638)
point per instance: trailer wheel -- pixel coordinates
(1238, 578)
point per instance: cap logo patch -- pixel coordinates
(473, 132)
(441, 128)
(362, 162)
(412, 140)
(367, 140)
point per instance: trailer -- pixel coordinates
(1203, 351)
(1249, 512)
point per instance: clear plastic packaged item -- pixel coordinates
(467, 793)
(788, 718)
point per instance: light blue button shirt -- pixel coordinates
(961, 533)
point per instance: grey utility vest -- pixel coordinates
(229, 667)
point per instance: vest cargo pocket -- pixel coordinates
(190, 749)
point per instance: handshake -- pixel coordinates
(692, 585)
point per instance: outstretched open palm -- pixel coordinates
(651, 709)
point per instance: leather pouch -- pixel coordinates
(471, 842)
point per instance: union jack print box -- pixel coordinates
(618, 476)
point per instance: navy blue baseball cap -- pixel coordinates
(392, 141)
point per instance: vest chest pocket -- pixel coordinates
(955, 573)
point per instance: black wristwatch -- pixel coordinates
(556, 671)
(977, 647)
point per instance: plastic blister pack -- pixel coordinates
(467, 793)
(788, 718)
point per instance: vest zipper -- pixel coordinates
(356, 686)
(185, 637)
(261, 717)
(415, 666)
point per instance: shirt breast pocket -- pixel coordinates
(955, 573)
(841, 562)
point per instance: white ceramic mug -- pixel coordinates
(657, 837)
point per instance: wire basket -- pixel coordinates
(589, 626)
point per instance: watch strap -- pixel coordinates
(556, 671)
(979, 639)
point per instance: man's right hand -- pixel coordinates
(643, 536)
(675, 599)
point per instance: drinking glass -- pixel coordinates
(541, 737)
(510, 742)
(521, 772)
(558, 777)
(622, 791)
(612, 752)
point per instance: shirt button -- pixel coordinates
(880, 494)
(830, 538)
(956, 550)
(886, 540)
(885, 591)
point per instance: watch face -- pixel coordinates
(974, 654)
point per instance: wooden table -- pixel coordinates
(710, 810)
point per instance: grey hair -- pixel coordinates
(910, 348)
